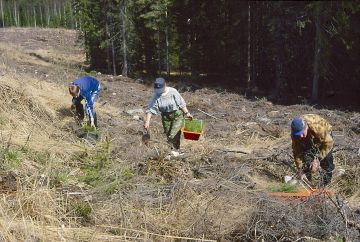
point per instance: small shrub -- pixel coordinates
(12, 160)
(60, 178)
(40, 157)
(91, 176)
(11, 155)
(92, 73)
(127, 173)
(87, 128)
(284, 187)
(111, 188)
(82, 209)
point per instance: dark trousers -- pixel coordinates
(327, 164)
(80, 109)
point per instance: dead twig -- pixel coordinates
(207, 114)
(348, 223)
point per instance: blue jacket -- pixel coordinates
(89, 90)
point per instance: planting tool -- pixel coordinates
(146, 137)
(306, 182)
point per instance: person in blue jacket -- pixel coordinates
(87, 88)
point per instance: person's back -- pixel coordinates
(87, 84)
(319, 135)
(87, 88)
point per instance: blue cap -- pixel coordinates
(297, 126)
(159, 83)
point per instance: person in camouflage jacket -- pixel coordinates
(312, 145)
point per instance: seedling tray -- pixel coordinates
(192, 129)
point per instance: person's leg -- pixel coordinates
(79, 107)
(166, 122)
(175, 129)
(95, 119)
(327, 164)
(309, 156)
(94, 96)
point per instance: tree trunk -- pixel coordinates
(15, 15)
(124, 44)
(113, 57)
(248, 84)
(59, 14)
(2, 14)
(34, 17)
(280, 55)
(159, 51)
(167, 44)
(41, 17)
(110, 30)
(18, 19)
(317, 54)
(48, 16)
(107, 32)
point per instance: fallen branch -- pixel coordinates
(245, 151)
(207, 114)
(348, 223)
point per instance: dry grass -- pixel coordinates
(121, 190)
(29, 115)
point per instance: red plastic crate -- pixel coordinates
(191, 135)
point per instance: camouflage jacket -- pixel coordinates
(318, 136)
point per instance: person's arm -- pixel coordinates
(326, 145)
(297, 159)
(147, 120)
(152, 109)
(186, 113)
(180, 102)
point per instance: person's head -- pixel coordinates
(74, 90)
(299, 128)
(159, 85)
